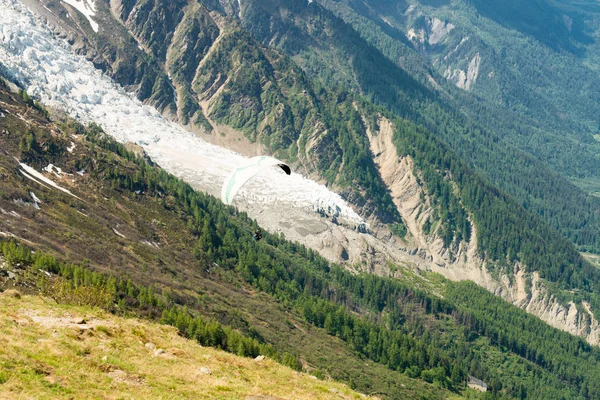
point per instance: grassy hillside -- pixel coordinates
(146, 244)
(58, 350)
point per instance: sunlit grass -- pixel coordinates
(45, 354)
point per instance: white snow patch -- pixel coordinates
(61, 79)
(71, 148)
(87, 8)
(85, 215)
(26, 175)
(51, 168)
(38, 176)
(2, 115)
(81, 172)
(151, 244)
(118, 233)
(36, 200)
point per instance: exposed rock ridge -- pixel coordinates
(520, 288)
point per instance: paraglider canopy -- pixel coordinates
(242, 174)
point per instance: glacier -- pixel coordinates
(48, 69)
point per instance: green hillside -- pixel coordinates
(59, 350)
(527, 121)
(139, 241)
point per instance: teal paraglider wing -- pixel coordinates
(242, 174)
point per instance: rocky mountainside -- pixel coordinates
(519, 143)
(233, 84)
(518, 147)
(530, 91)
(80, 202)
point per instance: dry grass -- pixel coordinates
(60, 351)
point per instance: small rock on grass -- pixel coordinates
(150, 346)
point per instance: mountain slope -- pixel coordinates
(516, 99)
(443, 241)
(162, 242)
(378, 334)
(277, 105)
(372, 56)
(528, 69)
(52, 353)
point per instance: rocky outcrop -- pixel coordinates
(465, 79)
(427, 32)
(529, 292)
(431, 31)
(438, 29)
(414, 204)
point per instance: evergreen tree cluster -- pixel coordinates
(505, 232)
(127, 298)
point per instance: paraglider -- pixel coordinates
(242, 174)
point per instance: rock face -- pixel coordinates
(408, 197)
(522, 289)
(465, 79)
(461, 67)
(529, 292)
(438, 29)
(432, 31)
